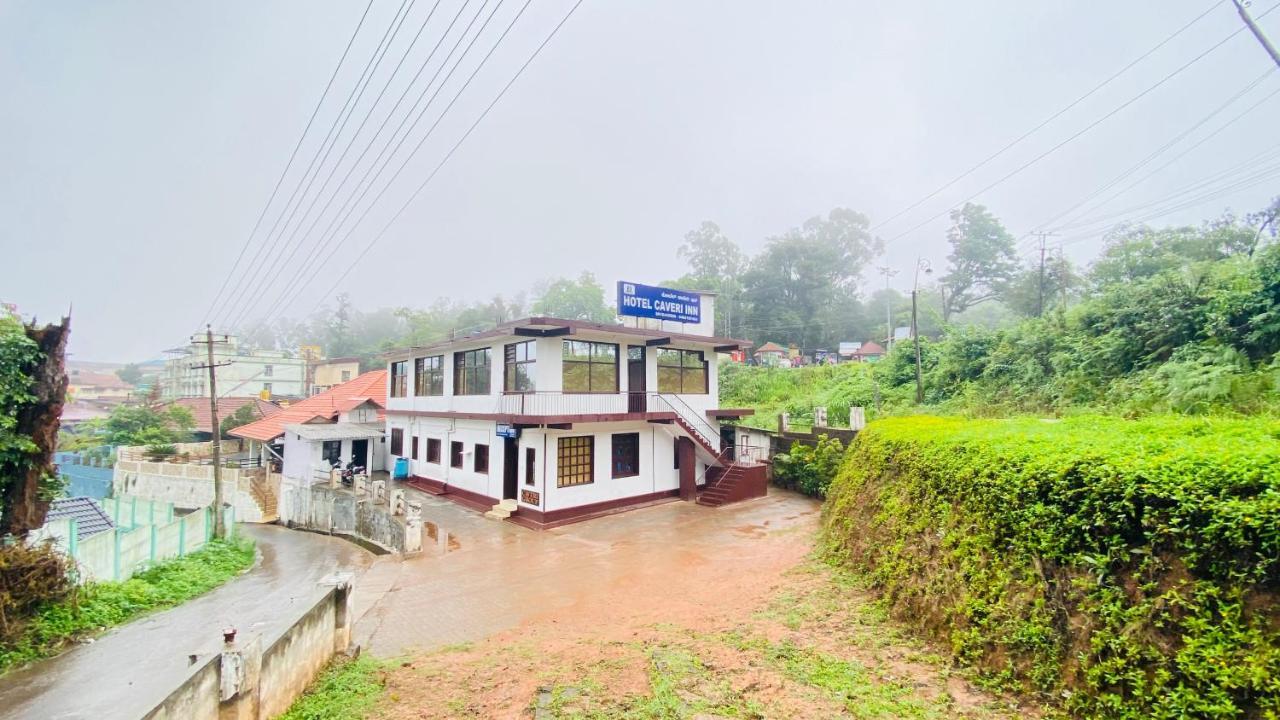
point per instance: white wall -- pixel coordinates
(657, 470)
(448, 430)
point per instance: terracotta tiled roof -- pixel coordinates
(84, 378)
(870, 347)
(227, 406)
(770, 347)
(369, 386)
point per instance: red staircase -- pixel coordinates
(739, 481)
(699, 437)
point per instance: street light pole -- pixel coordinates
(888, 272)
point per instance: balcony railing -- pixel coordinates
(559, 403)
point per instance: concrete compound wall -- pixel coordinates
(157, 535)
(260, 677)
(184, 485)
(338, 512)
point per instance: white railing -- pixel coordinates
(559, 403)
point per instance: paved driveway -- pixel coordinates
(484, 576)
(128, 671)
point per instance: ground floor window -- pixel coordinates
(480, 463)
(331, 451)
(455, 454)
(433, 450)
(413, 447)
(626, 455)
(397, 442)
(575, 461)
(530, 465)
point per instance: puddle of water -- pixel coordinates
(443, 540)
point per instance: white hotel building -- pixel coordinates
(551, 421)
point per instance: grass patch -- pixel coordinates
(346, 690)
(98, 606)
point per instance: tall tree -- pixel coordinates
(716, 264)
(1134, 253)
(982, 261)
(130, 373)
(1024, 292)
(800, 276)
(581, 299)
(33, 386)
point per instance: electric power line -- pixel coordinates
(1159, 151)
(1179, 156)
(1212, 6)
(308, 263)
(501, 93)
(345, 112)
(1079, 133)
(316, 111)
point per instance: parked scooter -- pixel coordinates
(349, 473)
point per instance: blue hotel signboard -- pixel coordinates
(647, 301)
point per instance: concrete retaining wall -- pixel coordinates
(338, 512)
(247, 682)
(186, 486)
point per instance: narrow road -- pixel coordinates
(128, 671)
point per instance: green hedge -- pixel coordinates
(1123, 569)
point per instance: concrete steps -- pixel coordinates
(502, 510)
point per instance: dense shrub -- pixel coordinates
(1123, 568)
(96, 606)
(809, 470)
(31, 576)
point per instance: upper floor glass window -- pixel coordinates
(590, 367)
(428, 376)
(519, 367)
(681, 371)
(399, 378)
(471, 372)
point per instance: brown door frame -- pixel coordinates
(510, 468)
(637, 397)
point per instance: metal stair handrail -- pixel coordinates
(710, 435)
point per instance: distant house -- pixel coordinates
(869, 351)
(333, 426)
(771, 354)
(264, 373)
(87, 385)
(326, 374)
(227, 406)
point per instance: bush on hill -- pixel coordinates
(1127, 569)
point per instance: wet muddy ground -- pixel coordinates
(667, 612)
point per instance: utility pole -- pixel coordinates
(1257, 31)
(1042, 235)
(219, 522)
(921, 263)
(888, 272)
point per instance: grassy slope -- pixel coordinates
(102, 605)
(771, 391)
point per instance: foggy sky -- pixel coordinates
(139, 140)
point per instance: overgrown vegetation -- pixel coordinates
(1125, 568)
(31, 577)
(346, 690)
(98, 606)
(809, 470)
